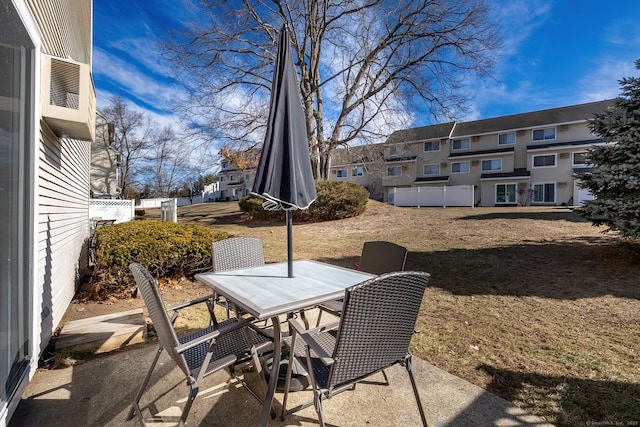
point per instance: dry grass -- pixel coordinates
(533, 304)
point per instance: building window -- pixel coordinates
(394, 171)
(432, 146)
(432, 169)
(222, 179)
(460, 167)
(461, 144)
(507, 138)
(358, 171)
(341, 173)
(505, 193)
(225, 165)
(544, 192)
(580, 159)
(16, 199)
(491, 165)
(394, 150)
(544, 161)
(544, 134)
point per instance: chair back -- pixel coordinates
(237, 252)
(378, 320)
(148, 287)
(379, 257)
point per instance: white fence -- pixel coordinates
(182, 201)
(457, 195)
(120, 210)
(169, 210)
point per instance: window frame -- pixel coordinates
(506, 134)
(573, 158)
(399, 168)
(424, 169)
(482, 162)
(460, 163)
(424, 148)
(357, 171)
(544, 192)
(453, 143)
(533, 161)
(506, 202)
(544, 136)
(341, 173)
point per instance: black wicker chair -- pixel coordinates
(197, 354)
(374, 333)
(378, 257)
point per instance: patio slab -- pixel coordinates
(98, 392)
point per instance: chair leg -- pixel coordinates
(193, 392)
(415, 390)
(135, 407)
(317, 403)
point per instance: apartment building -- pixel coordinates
(521, 159)
(47, 114)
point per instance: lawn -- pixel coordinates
(533, 304)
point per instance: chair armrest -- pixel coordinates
(215, 333)
(188, 303)
(308, 337)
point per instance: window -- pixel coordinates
(222, 179)
(341, 173)
(225, 165)
(16, 198)
(394, 171)
(544, 134)
(432, 146)
(505, 193)
(461, 144)
(492, 165)
(544, 192)
(580, 158)
(359, 171)
(460, 167)
(432, 169)
(544, 161)
(395, 150)
(507, 138)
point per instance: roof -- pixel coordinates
(566, 144)
(517, 173)
(482, 152)
(439, 131)
(570, 114)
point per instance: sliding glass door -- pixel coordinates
(16, 86)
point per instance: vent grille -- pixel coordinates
(65, 84)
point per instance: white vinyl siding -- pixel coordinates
(63, 222)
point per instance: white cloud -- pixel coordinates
(602, 82)
(145, 51)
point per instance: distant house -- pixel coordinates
(47, 115)
(235, 181)
(528, 158)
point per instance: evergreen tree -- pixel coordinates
(615, 181)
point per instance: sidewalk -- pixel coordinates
(99, 391)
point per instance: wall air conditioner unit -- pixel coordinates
(443, 141)
(564, 155)
(562, 184)
(68, 98)
(475, 138)
(563, 128)
(520, 133)
(475, 162)
(443, 165)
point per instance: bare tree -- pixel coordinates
(365, 66)
(168, 162)
(132, 137)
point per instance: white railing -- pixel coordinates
(169, 210)
(456, 195)
(112, 209)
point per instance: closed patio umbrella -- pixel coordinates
(284, 178)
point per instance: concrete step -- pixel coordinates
(105, 333)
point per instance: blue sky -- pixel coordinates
(556, 53)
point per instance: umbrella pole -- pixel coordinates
(289, 218)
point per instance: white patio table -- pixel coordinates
(266, 292)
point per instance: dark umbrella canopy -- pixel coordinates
(284, 178)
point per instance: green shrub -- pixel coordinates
(167, 249)
(335, 200)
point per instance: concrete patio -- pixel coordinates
(98, 392)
